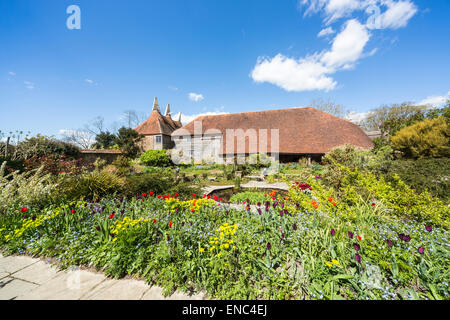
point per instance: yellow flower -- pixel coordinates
(328, 264)
(201, 250)
(335, 262)
(212, 248)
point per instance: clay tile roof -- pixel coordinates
(301, 130)
(157, 124)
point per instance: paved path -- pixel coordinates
(26, 278)
(251, 184)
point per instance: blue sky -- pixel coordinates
(233, 55)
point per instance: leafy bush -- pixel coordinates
(32, 188)
(155, 158)
(55, 164)
(429, 138)
(430, 174)
(45, 146)
(13, 165)
(92, 185)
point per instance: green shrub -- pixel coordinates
(32, 188)
(92, 185)
(44, 146)
(254, 197)
(430, 174)
(429, 138)
(155, 158)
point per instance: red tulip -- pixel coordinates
(23, 210)
(112, 215)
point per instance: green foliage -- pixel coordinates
(45, 146)
(104, 140)
(128, 141)
(226, 252)
(32, 188)
(253, 197)
(155, 158)
(92, 185)
(422, 174)
(429, 138)
(158, 183)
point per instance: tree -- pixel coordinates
(82, 139)
(127, 139)
(330, 107)
(428, 138)
(390, 119)
(95, 126)
(132, 118)
(104, 140)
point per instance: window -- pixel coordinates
(158, 139)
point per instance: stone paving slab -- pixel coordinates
(125, 289)
(13, 264)
(26, 278)
(39, 273)
(72, 285)
(11, 288)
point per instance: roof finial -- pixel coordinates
(155, 104)
(179, 117)
(167, 110)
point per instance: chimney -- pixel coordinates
(167, 110)
(179, 117)
(155, 104)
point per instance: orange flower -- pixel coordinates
(330, 199)
(192, 209)
(334, 203)
(287, 198)
(315, 205)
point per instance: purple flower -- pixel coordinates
(259, 204)
(294, 226)
(282, 205)
(358, 258)
(333, 232)
(389, 243)
(429, 228)
(356, 246)
(259, 211)
(350, 235)
(407, 238)
(269, 246)
(421, 250)
(275, 204)
(282, 236)
(182, 223)
(267, 209)
(97, 228)
(281, 213)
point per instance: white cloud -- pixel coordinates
(293, 75)
(29, 85)
(356, 117)
(188, 118)
(396, 16)
(312, 72)
(173, 88)
(12, 73)
(326, 32)
(435, 101)
(195, 97)
(348, 45)
(89, 81)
